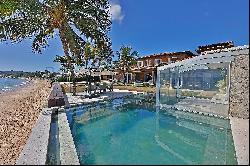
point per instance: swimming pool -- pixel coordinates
(132, 131)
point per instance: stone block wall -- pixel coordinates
(239, 90)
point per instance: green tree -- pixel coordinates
(7, 7)
(96, 55)
(222, 84)
(64, 63)
(89, 54)
(74, 21)
(126, 59)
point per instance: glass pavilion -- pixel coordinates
(198, 84)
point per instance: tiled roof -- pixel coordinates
(226, 49)
(167, 53)
(215, 46)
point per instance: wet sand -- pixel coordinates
(19, 111)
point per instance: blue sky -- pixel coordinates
(151, 26)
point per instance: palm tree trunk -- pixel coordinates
(66, 52)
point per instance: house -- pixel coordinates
(202, 50)
(146, 67)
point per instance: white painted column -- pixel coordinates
(229, 83)
(178, 83)
(127, 78)
(170, 81)
(153, 76)
(158, 88)
(181, 80)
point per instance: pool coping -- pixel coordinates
(68, 154)
(35, 149)
(240, 132)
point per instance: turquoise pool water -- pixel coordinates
(137, 133)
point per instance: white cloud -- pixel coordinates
(116, 12)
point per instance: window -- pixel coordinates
(169, 60)
(174, 58)
(157, 61)
(146, 63)
(139, 64)
(149, 62)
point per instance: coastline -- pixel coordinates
(19, 111)
(26, 82)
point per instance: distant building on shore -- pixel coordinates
(146, 67)
(212, 47)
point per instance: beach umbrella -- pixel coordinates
(84, 71)
(106, 72)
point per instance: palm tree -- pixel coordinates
(126, 58)
(89, 53)
(96, 55)
(74, 21)
(7, 6)
(63, 61)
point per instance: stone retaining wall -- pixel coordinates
(239, 90)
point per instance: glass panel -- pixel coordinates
(168, 91)
(196, 87)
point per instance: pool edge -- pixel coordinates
(35, 150)
(240, 132)
(68, 154)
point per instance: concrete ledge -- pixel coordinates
(56, 97)
(35, 150)
(240, 132)
(68, 155)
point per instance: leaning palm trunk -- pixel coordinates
(66, 52)
(41, 18)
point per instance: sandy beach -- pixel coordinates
(19, 111)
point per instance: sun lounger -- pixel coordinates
(138, 84)
(109, 85)
(102, 87)
(92, 87)
(151, 83)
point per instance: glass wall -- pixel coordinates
(199, 84)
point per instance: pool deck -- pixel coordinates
(240, 132)
(81, 99)
(205, 106)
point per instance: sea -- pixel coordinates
(7, 84)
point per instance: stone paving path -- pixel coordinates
(240, 131)
(203, 105)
